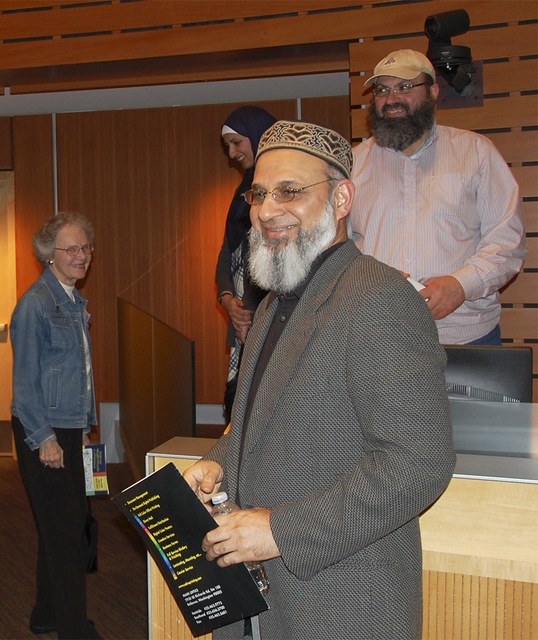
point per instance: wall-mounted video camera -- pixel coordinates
(451, 61)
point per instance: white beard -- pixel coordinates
(280, 265)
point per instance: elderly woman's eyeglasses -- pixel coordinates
(280, 194)
(73, 250)
(383, 92)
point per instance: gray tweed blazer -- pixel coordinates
(349, 440)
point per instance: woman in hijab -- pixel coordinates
(241, 133)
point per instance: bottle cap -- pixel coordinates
(220, 497)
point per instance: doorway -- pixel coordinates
(8, 299)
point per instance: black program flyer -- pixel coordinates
(173, 522)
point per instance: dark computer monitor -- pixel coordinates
(494, 374)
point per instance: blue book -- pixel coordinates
(94, 458)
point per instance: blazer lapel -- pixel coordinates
(284, 360)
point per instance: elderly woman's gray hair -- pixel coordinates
(44, 240)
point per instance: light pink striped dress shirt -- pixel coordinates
(452, 208)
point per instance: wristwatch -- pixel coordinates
(224, 293)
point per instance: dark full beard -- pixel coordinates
(400, 133)
(281, 265)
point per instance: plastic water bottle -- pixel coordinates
(223, 505)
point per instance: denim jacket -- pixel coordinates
(50, 383)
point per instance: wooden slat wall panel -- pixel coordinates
(128, 46)
(159, 222)
(516, 146)
(523, 289)
(88, 17)
(6, 144)
(144, 14)
(15, 5)
(527, 178)
(330, 112)
(119, 56)
(497, 113)
(407, 19)
(267, 7)
(519, 324)
(530, 216)
(157, 185)
(357, 22)
(512, 75)
(225, 36)
(508, 48)
(34, 190)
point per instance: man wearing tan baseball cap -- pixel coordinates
(435, 202)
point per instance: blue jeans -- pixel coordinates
(492, 339)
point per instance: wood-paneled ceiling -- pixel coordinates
(61, 45)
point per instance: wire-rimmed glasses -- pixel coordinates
(380, 91)
(280, 194)
(73, 250)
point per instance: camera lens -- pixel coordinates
(442, 26)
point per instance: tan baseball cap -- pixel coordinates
(405, 64)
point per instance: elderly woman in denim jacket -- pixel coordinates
(52, 412)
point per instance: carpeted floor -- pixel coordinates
(117, 593)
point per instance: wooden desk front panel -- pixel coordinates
(480, 559)
(465, 607)
(166, 622)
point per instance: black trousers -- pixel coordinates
(58, 501)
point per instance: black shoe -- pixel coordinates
(40, 621)
(38, 629)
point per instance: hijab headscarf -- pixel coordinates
(250, 122)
